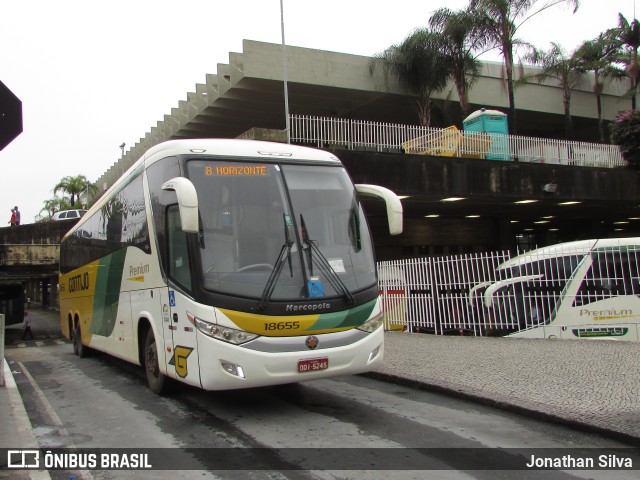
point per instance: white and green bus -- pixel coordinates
(228, 264)
(587, 289)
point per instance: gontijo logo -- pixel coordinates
(79, 282)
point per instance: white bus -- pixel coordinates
(228, 264)
(583, 289)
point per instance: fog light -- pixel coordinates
(373, 354)
(233, 369)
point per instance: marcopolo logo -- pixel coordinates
(308, 307)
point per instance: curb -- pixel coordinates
(24, 430)
(532, 409)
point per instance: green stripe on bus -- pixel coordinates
(348, 318)
(107, 293)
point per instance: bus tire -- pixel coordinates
(158, 383)
(78, 348)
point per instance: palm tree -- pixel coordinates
(459, 45)
(563, 68)
(629, 37)
(74, 186)
(598, 56)
(498, 22)
(53, 205)
(418, 64)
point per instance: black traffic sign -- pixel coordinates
(10, 116)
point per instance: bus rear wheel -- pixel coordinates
(78, 348)
(158, 383)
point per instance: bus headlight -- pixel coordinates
(226, 334)
(372, 324)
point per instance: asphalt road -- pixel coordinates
(343, 423)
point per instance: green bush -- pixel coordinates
(625, 131)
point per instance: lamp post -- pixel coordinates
(284, 70)
(122, 148)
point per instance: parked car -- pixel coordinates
(68, 214)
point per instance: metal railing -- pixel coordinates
(328, 132)
(447, 294)
(432, 294)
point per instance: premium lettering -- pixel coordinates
(141, 270)
(612, 312)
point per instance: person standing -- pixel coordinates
(27, 326)
(12, 222)
(16, 212)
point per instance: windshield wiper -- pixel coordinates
(311, 246)
(284, 254)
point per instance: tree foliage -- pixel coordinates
(563, 68)
(419, 65)
(498, 22)
(74, 187)
(628, 36)
(625, 131)
(459, 47)
(599, 56)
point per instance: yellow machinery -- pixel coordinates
(449, 142)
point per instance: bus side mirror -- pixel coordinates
(187, 202)
(394, 206)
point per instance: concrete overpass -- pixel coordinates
(29, 266)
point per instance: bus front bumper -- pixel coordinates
(225, 367)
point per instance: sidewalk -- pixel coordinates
(587, 384)
(15, 428)
(592, 385)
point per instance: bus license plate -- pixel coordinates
(313, 365)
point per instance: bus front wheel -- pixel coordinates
(156, 380)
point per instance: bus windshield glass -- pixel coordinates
(280, 232)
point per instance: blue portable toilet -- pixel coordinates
(495, 124)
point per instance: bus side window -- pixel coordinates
(179, 267)
(610, 275)
(157, 174)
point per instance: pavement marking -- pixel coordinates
(46, 342)
(24, 430)
(52, 415)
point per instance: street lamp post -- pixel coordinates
(284, 69)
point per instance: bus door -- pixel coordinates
(182, 361)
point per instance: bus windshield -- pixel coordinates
(280, 232)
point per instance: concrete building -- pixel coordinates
(245, 97)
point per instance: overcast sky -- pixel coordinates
(93, 74)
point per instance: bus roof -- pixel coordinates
(579, 247)
(269, 151)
